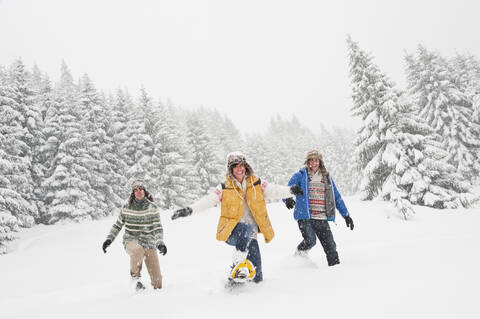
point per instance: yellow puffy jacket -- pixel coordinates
(233, 200)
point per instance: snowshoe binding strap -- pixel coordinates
(243, 271)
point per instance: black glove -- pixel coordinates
(349, 222)
(106, 243)
(290, 203)
(296, 190)
(162, 249)
(183, 212)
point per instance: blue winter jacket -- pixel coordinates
(333, 199)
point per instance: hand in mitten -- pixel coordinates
(349, 222)
(182, 212)
(290, 203)
(162, 249)
(296, 190)
(106, 243)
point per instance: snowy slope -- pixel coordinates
(423, 268)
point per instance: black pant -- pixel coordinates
(312, 228)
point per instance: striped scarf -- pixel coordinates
(316, 196)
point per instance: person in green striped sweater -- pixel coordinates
(143, 234)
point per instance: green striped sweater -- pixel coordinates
(142, 224)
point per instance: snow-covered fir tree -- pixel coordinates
(41, 99)
(465, 70)
(446, 108)
(408, 165)
(280, 152)
(101, 157)
(259, 155)
(374, 101)
(172, 169)
(377, 147)
(32, 124)
(337, 149)
(206, 163)
(421, 174)
(146, 105)
(221, 130)
(137, 149)
(284, 148)
(66, 187)
(120, 106)
(15, 210)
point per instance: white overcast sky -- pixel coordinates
(249, 59)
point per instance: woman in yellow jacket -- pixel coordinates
(243, 215)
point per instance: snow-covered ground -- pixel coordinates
(390, 268)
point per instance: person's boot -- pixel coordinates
(333, 260)
(137, 283)
(301, 253)
(242, 273)
(139, 286)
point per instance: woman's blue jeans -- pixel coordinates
(242, 238)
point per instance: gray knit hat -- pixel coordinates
(235, 158)
(138, 183)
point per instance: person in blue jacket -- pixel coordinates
(316, 207)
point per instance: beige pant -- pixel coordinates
(137, 255)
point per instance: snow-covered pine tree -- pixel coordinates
(146, 104)
(261, 155)
(15, 210)
(32, 124)
(172, 171)
(101, 172)
(409, 158)
(275, 152)
(465, 72)
(254, 151)
(40, 84)
(121, 105)
(66, 186)
(41, 99)
(137, 148)
(155, 165)
(421, 173)
(230, 136)
(280, 152)
(299, 141)
(337, 149)
(465, 69)
(207, 165)
(374, 101)
(379, 149)
(446, 108)
(222, 131)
